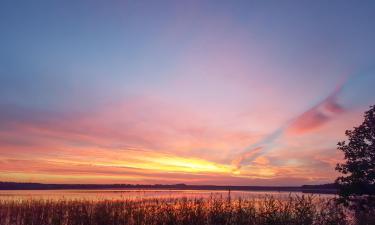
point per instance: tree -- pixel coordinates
(357, 185)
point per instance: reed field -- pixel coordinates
(294, 210)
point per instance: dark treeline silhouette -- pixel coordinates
(326, 188)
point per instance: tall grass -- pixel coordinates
(305, 210)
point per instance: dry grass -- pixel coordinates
(181, 211)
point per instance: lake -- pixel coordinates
(118, 194)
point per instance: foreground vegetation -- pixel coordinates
(215, 211)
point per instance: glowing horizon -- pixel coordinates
(227, 93)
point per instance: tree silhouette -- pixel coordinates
(357, 185)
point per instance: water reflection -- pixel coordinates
(141, 194)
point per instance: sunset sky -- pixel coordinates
(195, 92)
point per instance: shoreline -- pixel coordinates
(310, 189)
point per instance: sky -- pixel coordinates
(195, 92)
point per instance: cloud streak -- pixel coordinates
(318, 115)
(308, 121)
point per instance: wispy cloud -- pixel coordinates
(318, 115)
(311, 119)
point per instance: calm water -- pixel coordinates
(140, 194)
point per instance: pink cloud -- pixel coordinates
(317, 116)
(139, 123)
(312, 119)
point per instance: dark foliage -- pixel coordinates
(357, 185)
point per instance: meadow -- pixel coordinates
(293, 210)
